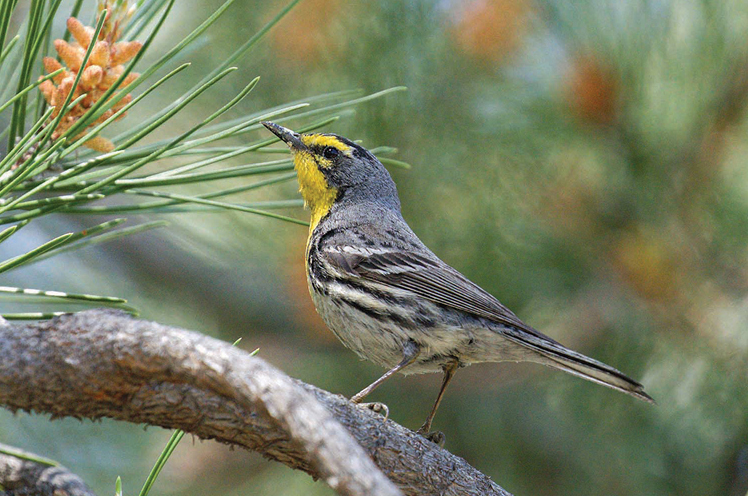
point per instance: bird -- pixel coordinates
(388, 297)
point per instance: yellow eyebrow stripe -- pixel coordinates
(322, 140)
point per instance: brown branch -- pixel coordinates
(103, 363)
(21, 476)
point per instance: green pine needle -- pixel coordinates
(21, 455)
(161, 461)
(40, 176)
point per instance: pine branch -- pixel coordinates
(104, 363)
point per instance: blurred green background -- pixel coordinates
(584, 161)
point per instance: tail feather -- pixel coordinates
(555, 355)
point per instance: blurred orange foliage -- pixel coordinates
(592, 90)
(305, 35)
(490, 30)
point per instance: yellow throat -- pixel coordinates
(318, 195)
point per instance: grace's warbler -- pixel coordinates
(387, 297)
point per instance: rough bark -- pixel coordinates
(20, 476)
(103, 363)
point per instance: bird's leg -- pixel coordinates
(410, 353)
(449, 372)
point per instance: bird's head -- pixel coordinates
(331, 169)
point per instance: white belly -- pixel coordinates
(381, 340)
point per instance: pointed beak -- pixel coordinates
(292, 139)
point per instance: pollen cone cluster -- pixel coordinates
(104, 67)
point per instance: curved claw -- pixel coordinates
(436, 437)
(377, 408)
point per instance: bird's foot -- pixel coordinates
(377, 408)
(436, 437)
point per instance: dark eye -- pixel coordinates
(330, 152)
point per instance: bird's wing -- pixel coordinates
(434, 280)
(427, 277)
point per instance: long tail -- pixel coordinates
(556, 355)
